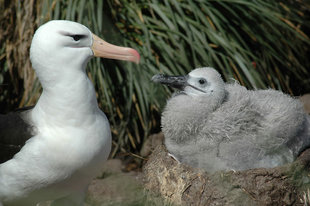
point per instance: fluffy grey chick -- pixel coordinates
(218, 126)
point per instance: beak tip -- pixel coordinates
(156, 78)
(136, 56)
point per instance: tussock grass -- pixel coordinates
(260, 43)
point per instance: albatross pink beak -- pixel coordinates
(103, 49)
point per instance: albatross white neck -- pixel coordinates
(67, 97)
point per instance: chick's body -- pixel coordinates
(234, 128)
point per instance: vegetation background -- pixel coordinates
(260, 43)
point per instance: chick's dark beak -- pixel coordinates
(178, 82)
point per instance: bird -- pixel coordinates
(53, 150)
(218, 126)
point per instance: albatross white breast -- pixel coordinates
(67, 136)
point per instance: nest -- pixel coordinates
(183, 185)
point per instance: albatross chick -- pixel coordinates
(218, 126)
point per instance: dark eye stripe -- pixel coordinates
(77, 37)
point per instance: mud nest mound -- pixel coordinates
(183, 185)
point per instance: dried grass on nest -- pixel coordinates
(181, 184)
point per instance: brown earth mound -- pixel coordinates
(184, 185)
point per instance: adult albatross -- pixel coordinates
(65, 138)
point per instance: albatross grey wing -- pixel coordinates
(15, 130)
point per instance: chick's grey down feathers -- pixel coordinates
(230, 127)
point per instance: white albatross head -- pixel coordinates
(60, 46)
(204, 81)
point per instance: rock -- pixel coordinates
(184, 185)
(112, 166)
(116, 187)
(151, 143)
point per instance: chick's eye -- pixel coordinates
(77, 37)
(202, 81)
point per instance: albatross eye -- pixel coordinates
(202, 81)
(77, 37)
